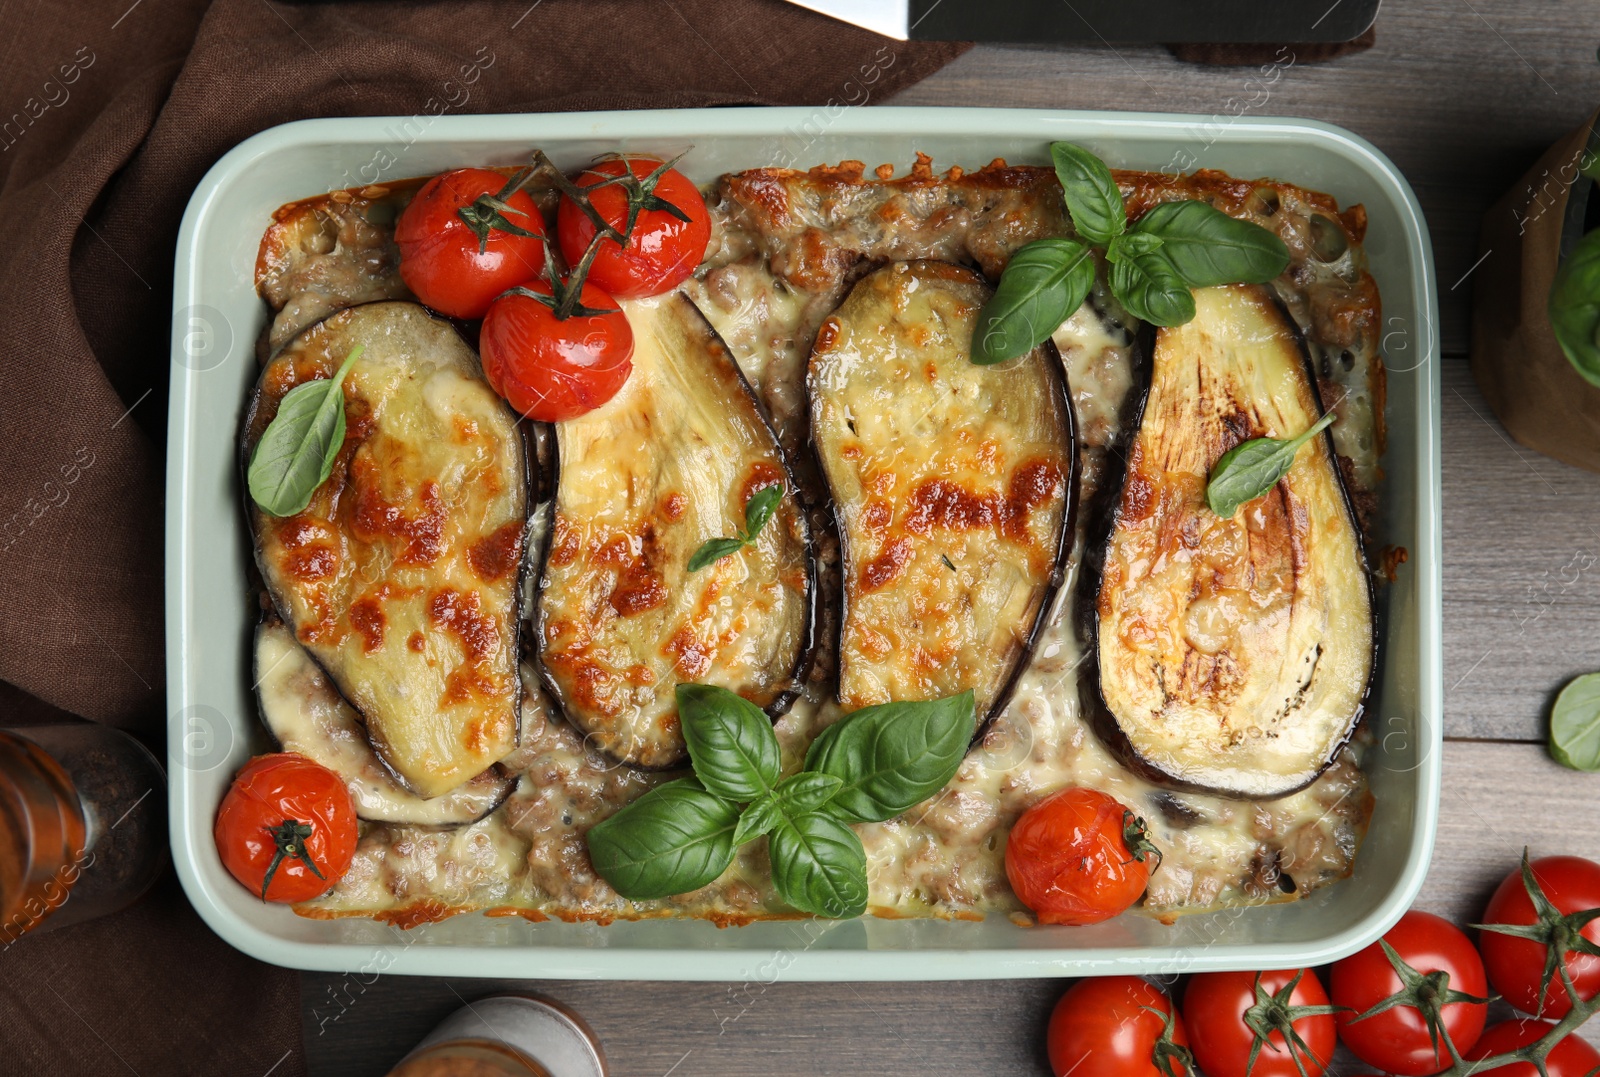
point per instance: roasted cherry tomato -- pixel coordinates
(455, 266)
(1515, 965)
(1116, 1026)
(1220, 1009)
(663, 248)
(1397, 1039)
(1078, 857)
(286, 828)
(1570, 1057)
(553, 369)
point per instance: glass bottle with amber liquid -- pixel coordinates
(82, 825)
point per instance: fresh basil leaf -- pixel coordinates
(893, 756)
(1146, 283)
(759, 509)
(714, 550)
(806, 792)
(1208, 247)
(758, 819)
(819, 866)
(676, 838)
(1575, 724)
(296, 452)
(1093, 199)
(1575, 307)
(1253, 467)
(797, 795)
(1042, 286)
(731, 742)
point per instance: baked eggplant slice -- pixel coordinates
(642, 482)
(953, 488)
(401, 577)
(306, 714)
(1233, 655)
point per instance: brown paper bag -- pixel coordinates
(1521, 370)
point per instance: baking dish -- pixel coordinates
(213, 728)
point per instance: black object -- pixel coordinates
(1143, 22)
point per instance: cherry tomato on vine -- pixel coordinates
(1516, 966)
(1237, 1020)
(552, 369)
(457, 265)
(1445, 974)
(1570, 1057)
(1116, 1026)
(665, 245)
(286, 828)
(1079, 857)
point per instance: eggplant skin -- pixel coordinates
(1230, 656)
(306, 714)
(642, 482)
(953, 488)
(402, 577)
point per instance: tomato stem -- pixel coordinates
(1276, 1012)
(565, 298)
(290, 838)
(1560, 936)
(1170, 1058)
(579, 197)
(1427, 993)
(641, 191)
(488, 211)
(1136, 836)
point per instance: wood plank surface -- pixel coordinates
(1463, 96)
(1521, 572)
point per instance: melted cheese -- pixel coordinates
(949, 483)
(401, 575)
(667, 464)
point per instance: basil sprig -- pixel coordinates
(1574, 307)
(1575, 724)
(757, 511)
(870, 766)
(1253, 467)
(1044, 283)
(1146, 282)
(893, 756)
(1175, 247)
(296, 452)
(1092, 195)
(676, 838)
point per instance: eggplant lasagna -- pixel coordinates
(1017, 530)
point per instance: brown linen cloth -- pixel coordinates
(110, 112)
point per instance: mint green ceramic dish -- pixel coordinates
(210, 608)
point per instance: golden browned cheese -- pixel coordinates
(813, 229)
(401, 577)
(668, 463)
(951, 486)
(1233, 654)
(306, 714)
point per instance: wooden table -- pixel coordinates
(1463, 95)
